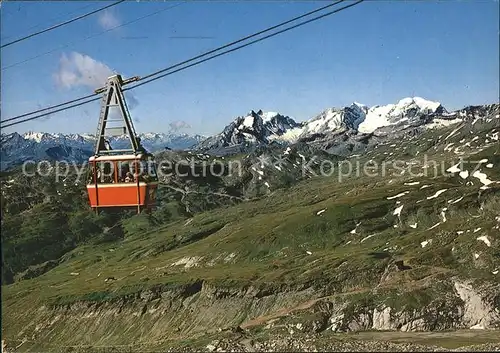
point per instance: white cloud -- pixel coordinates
(108, 20)
(177, 125)
(78, 69)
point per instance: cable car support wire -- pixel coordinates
(151, 77)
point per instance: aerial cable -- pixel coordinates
(196, 63)
(62, 24)
(241, 46)
(184, 62)
(53, 19)
(240, 40)
(192, 59)
(92, 36)
(55, 111)
(52, 107)
(90, 95)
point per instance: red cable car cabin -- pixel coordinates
(120, 178)
(122, 181)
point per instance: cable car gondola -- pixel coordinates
(124, 178)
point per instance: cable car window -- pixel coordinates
(135, 170)
(126, 172)
(145, 171)
(105, 172)
(92, 173)
(152, 170)
(133, 167)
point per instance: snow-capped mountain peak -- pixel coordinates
(330, 120)
(361, 106)
(407, 110)
(36, 136)
(267, 116)
(266, 127)
(254, 128)
(335, 129)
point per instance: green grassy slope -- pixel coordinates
(333, 237)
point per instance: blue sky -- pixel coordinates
(375, 53)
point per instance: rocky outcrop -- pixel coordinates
(464, 309)
(207, 308)
(478, 313)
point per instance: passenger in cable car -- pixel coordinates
(129, 177)
(98, 174)
(124, 171)
(104, 145)
(108, 174)
(92, 174)
(140, 148)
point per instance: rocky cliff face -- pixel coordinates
(161, 314)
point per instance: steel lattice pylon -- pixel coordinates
(113, 97)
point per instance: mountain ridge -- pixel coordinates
(336, 130)
(356, 122)
(18, 148)
(274, 248)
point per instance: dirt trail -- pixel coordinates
(286, 311)
(308, 304)
(259, 320)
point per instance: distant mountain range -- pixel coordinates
(335, 130)
(17, 148)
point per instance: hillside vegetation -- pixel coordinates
(270, 252)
